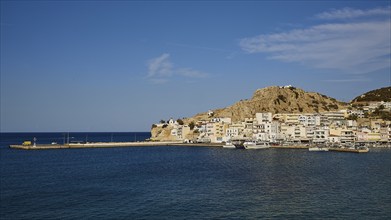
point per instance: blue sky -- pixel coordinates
(123, 65)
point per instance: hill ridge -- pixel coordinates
(277, 99)
(376, 95)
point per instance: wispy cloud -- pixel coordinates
(348, 13)
(353, 47)
(160, 66)
(161, 70)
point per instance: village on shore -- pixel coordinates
(342, 128)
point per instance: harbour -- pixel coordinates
(179, 177)
(177, 180)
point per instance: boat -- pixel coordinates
(318, 148)
(252, 145)
(229, 145)
(238, 143)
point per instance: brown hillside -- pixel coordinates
(377, 95)
(277, 99)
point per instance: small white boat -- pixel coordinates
(252, 145)
(229, 145)
(318, 149)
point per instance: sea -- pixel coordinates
(171, 182)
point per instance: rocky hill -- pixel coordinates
(277, 99)
(377, 95)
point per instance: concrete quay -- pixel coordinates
(111, 144)
(350, 150)
(290, 147)
(39, 147)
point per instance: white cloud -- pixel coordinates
(353, 47)
(161, 70)
(160, 66)
(348, 13)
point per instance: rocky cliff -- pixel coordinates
(162, 134)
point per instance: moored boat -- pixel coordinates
(238, 143)
(229, 145)
(318, 148)
(250, 145)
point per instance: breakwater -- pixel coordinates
(156, 144)
(350, 150)
(290, 147)
(112, 144)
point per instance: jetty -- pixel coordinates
(112, 144)
(290, 146)
(364, 150)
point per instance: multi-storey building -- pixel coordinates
(347, 136)
(321, 135)
(234, 131)
(309, 120)
(248, 127)
(287, 132)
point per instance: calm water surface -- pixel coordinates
(190, 182)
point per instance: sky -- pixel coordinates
(123, 65)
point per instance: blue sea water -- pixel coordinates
(189, 182)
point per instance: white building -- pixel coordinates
(264, 117)
(309, 120)
(172, 122)
(321, 135)
(224, 120)
(287, 132)
(334, 116)
(248, 127)
(234, 130)
(347, 136)
(299, 133)
(334, 139)
(310, 131)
